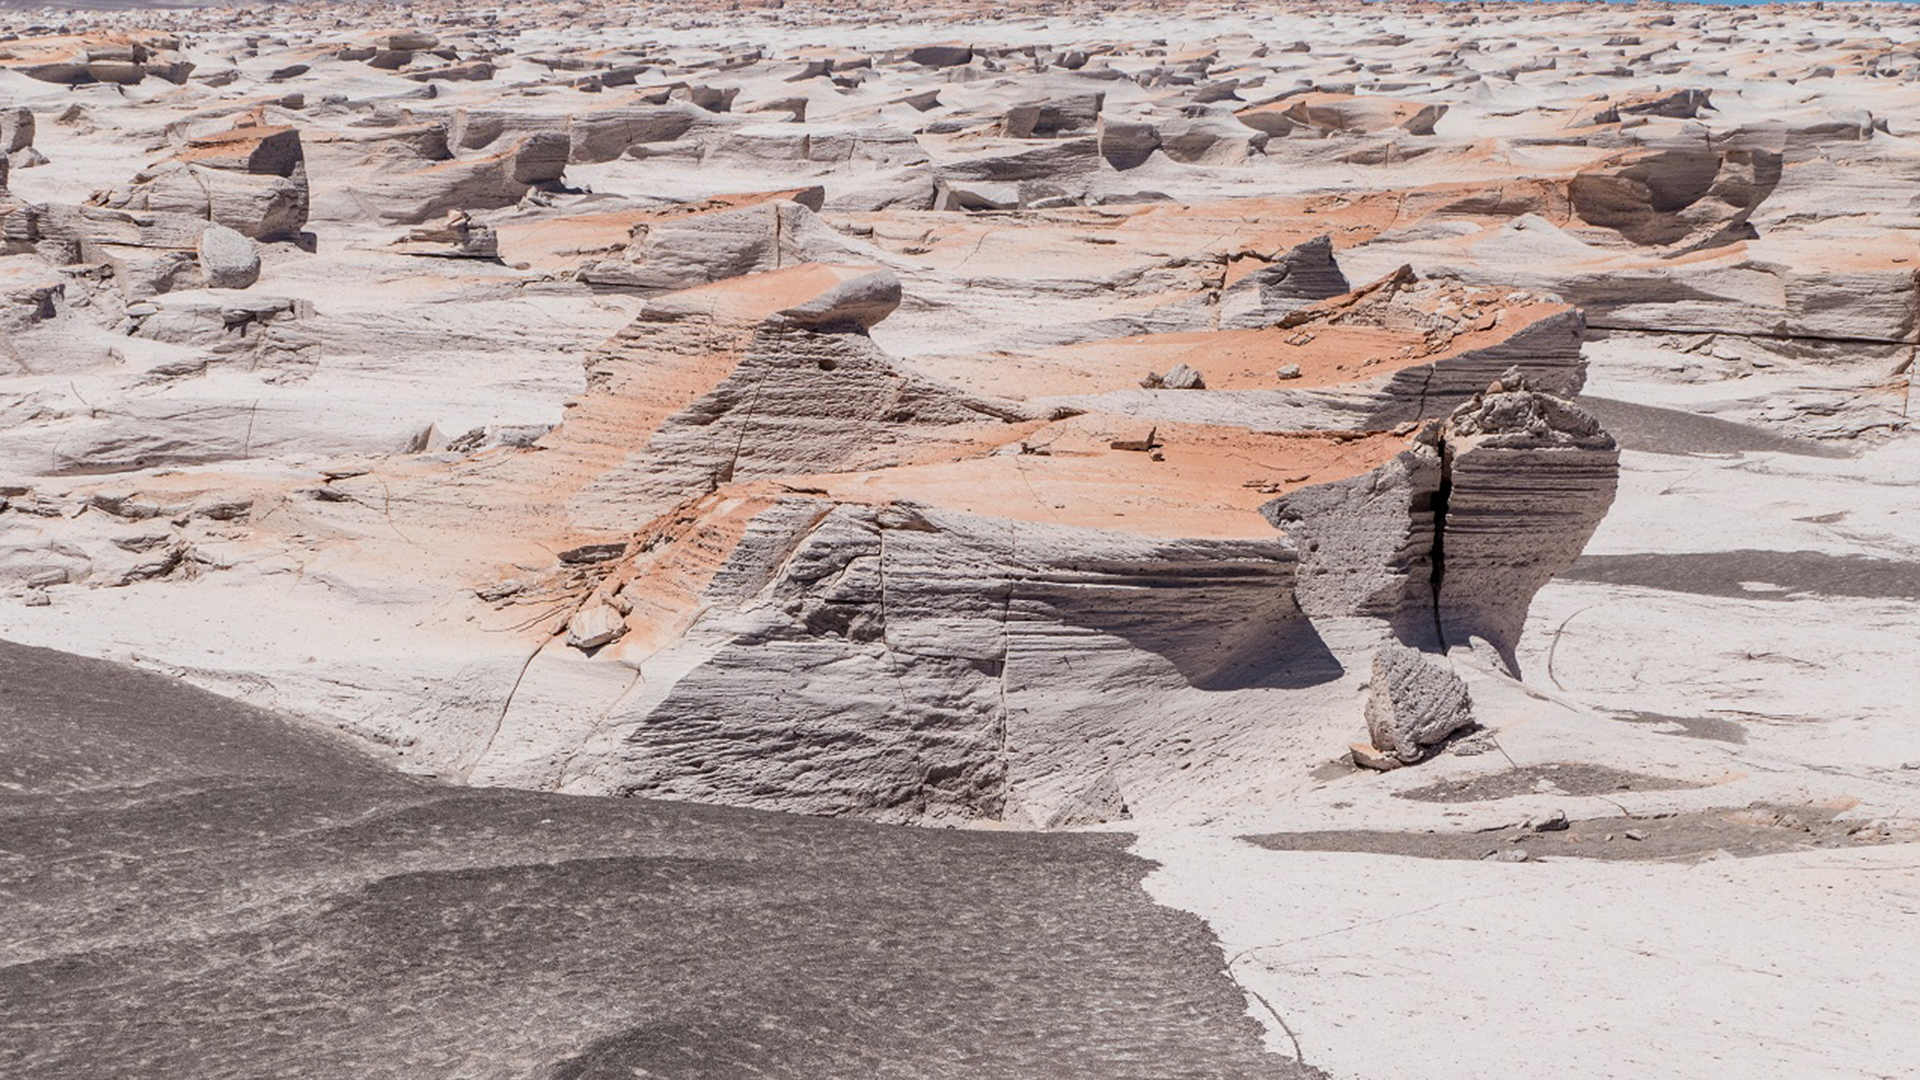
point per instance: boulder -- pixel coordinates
(1414, 704)
(1073, 114)
(228, 260)
(251, 178)
(1182, 377)
(607, 134)
(1269, 118)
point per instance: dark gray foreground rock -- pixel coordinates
(194, 888)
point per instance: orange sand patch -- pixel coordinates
(1211, 483)
(1327, 355)
(551, 242)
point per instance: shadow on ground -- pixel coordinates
(1755, 574)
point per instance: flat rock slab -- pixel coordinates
(197, 888)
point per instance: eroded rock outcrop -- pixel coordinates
(1451, 539)
(1660, 198)
(251, 179)
(945, 391)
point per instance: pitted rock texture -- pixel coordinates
(1414, 704)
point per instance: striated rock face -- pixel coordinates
(933, 661)
(1451, 539)
(978, 598)
(1034, 415)
(1527, 477)
(809, 512)
(1303, 275)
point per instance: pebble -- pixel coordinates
(1555, 821)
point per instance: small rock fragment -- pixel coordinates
(596, 625)
(228, 260)
(1552, 821)
(1367, 757)
(1183, 377)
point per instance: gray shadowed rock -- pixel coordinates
(1414, 704)
(228, 260)
(16, 129)
(1126, 144)
(941, 55)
